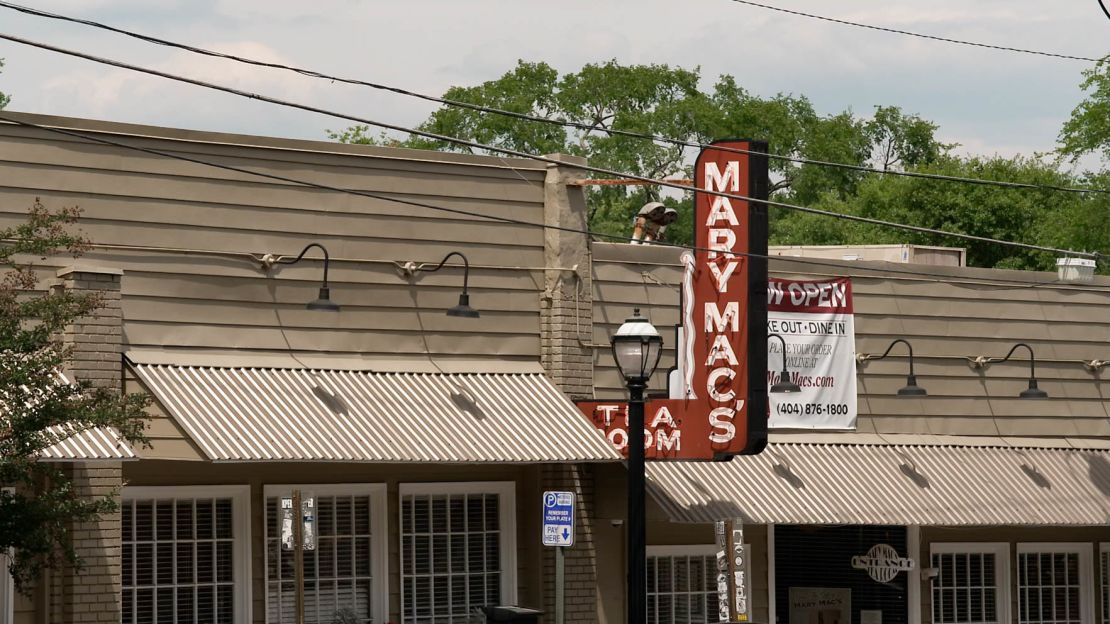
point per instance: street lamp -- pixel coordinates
(323, 301)
(783, 385)
(637, 346)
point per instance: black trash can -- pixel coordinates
(512, 614)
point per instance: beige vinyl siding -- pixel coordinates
(939, 316)
(221, 303)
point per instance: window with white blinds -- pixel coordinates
(1054, 583)
(457, 550)
(7, 592)
(184, 552)
(971, 585)
(1104, 567)
(7, 588)
(345, 574)
(682, 584)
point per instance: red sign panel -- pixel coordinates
(718, 402)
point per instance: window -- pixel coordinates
(458, 549)
(971, 585)
(345, 576)
(1104, 566)
(682, 584)
(7, 588)
(186, 552)
(1054, 583)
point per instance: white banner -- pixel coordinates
(815, 321)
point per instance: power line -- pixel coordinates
(512, 221)
(918, 35)
(1104, 9)
(536, 157)
(534, 118)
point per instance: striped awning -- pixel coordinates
(276, 414)
(90, 444)
(938, 485)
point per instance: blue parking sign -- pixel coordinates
(558, 518)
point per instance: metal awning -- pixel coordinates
(90, 444)
(937, 485)
(276, 414)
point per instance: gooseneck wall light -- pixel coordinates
(323, 301)
(911, 388)
(637, 346)
(783, 385)
(463, 308)
(1032, 392)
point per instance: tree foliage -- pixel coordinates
(668, 101)
(4, 99)
(37, 407)
(1088, 129)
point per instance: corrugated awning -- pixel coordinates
(90, 444)
(272, 414)
(891, 484)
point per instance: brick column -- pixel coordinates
(92, 594)
(566, 331)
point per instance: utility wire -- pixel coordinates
(918, 35)
(509, 220)
(536, 157)
(1104, 9)
(526, 117)
(534, 118)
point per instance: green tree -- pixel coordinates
(668, 101)
(4, 99)
(1046, 217)
(37, 409)
(1088, 129)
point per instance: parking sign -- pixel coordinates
(558, 518)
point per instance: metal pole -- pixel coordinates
(560, 593)
(637, 530)
(298, 558)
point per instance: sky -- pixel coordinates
(991, 102)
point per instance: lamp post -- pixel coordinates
(636, 349)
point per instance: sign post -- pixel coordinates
(558, 531)
(298, 536)
(733, 581)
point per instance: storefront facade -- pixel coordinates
(967, 504)
(426, 441)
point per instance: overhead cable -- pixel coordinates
(536, 157)
(509, 220)
(534, 118)
(918, 35)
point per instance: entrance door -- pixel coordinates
(816, 583)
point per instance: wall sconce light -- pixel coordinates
(323, 301)
(463, 308)
(783, 385)
(911, 388)
(1032, 392)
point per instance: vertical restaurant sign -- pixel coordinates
(718, 401)
(815, 320)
